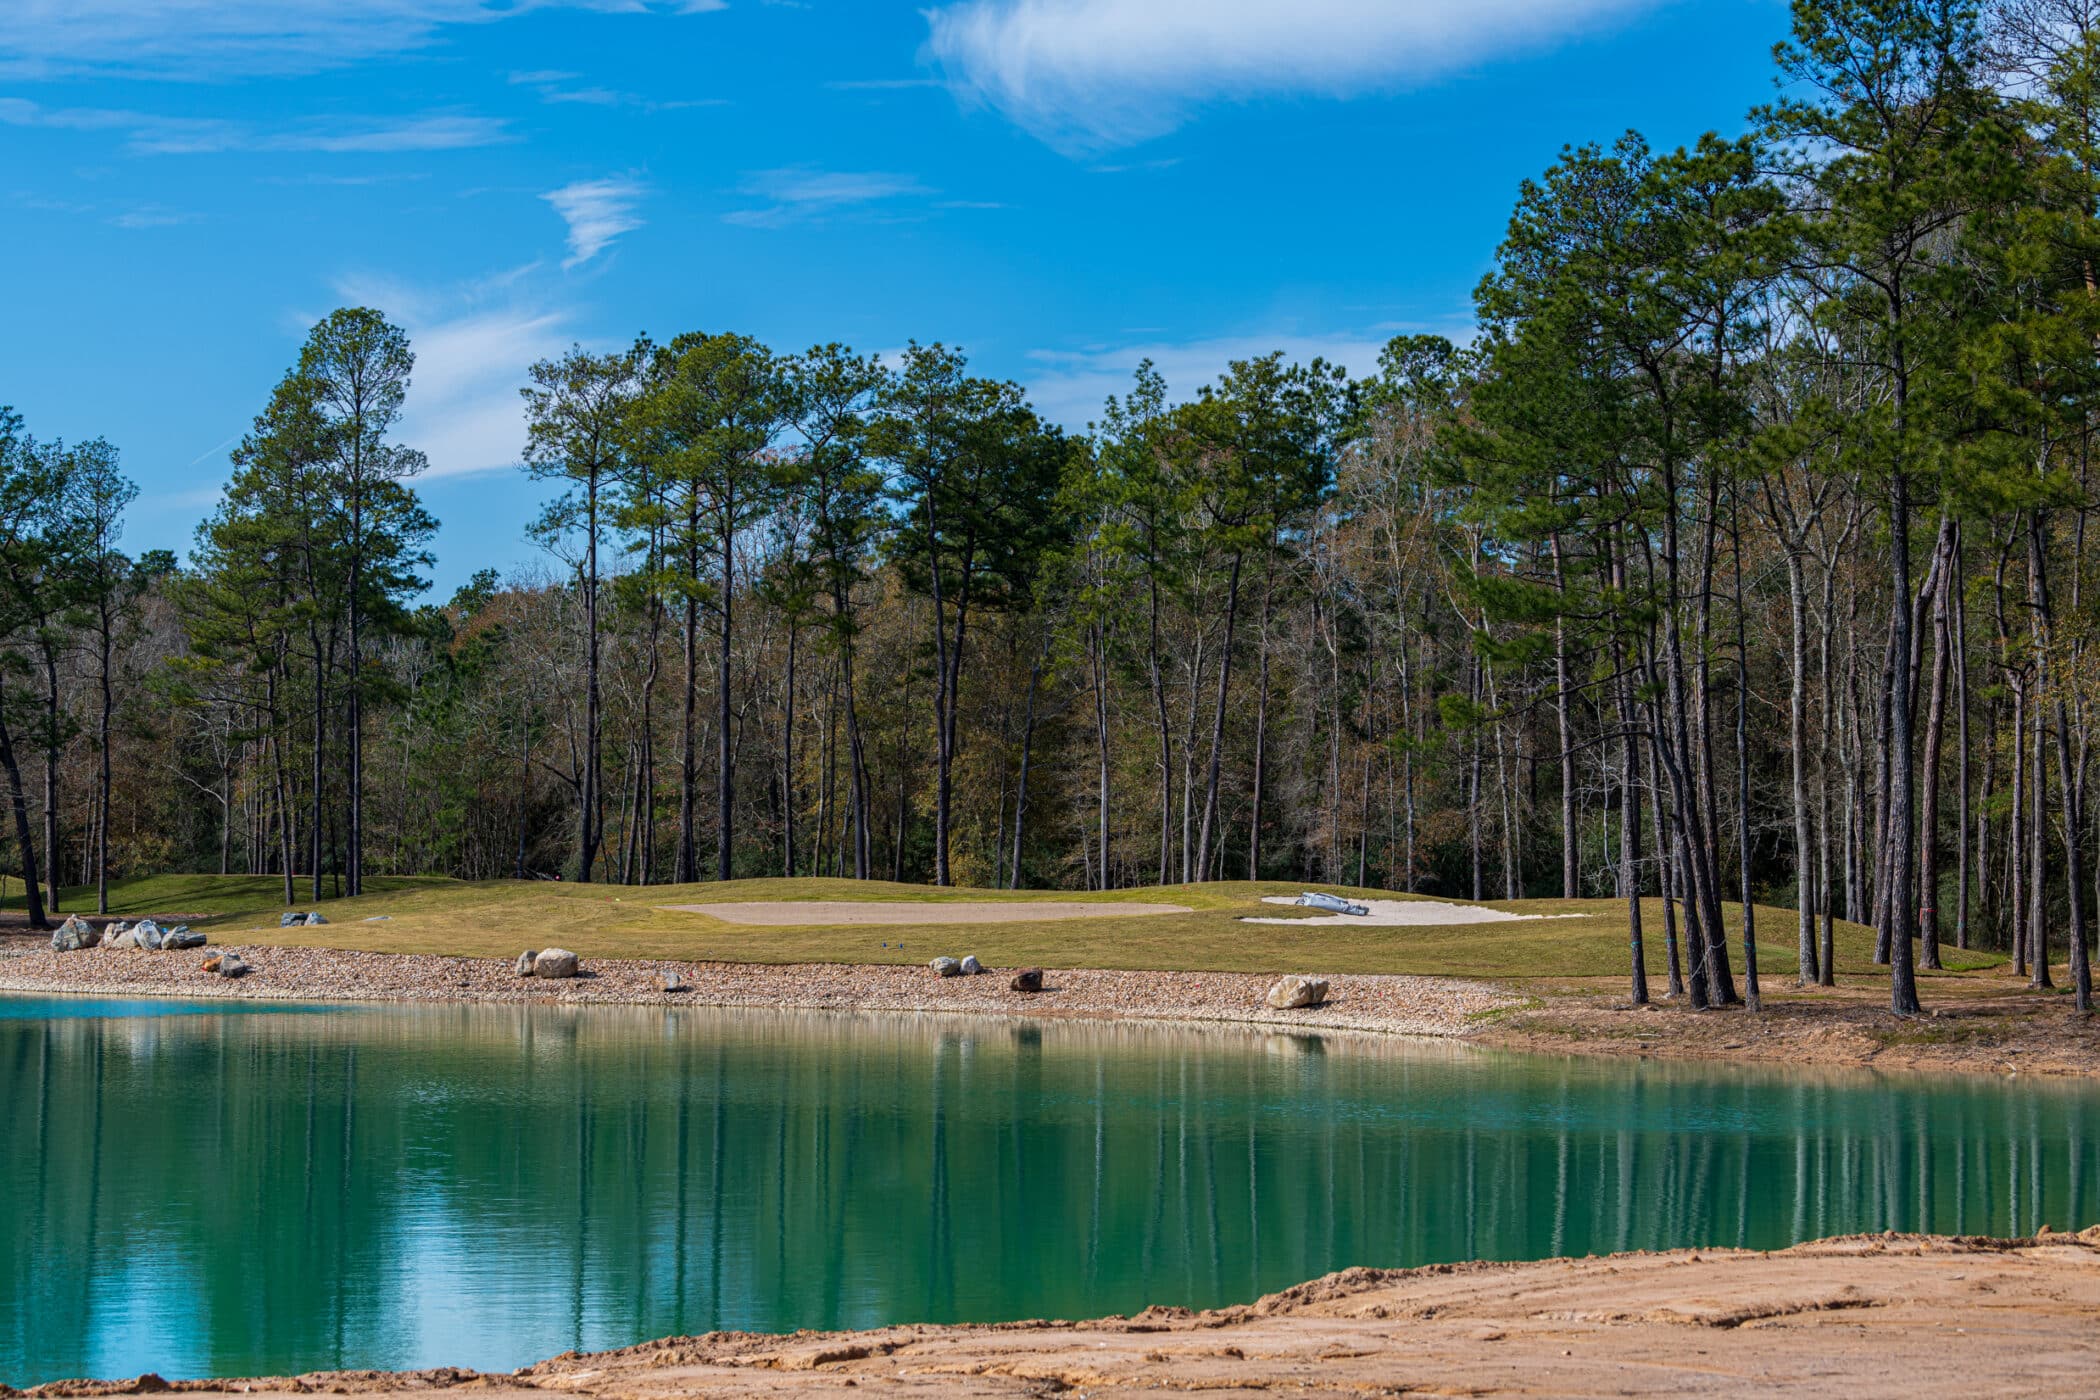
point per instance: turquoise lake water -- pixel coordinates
(201, 1192)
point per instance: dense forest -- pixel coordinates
(1741, 554)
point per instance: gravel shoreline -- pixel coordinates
(1419, 1006)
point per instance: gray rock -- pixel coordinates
(1028, 979)
(74, 935)
(146, 934)
(180, 939)
(230, 965)
(291, 919)
(315, 919)
(557, 964)
(112, 932)
(1297, 993)
(525, 962)
(971, 967)
(674, 983)
(947, 967)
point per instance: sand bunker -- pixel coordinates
(802, 913)
(1427, 912)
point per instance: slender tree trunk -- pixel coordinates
(1629, 791)
(725, 749)
(787, 759)
(1101, 743)
(1935, 732)
(688, 756)
(1570, 875)
(32, 891)
(1752, 993)
(1166, 735)
(1806, 961)
(102, 765)
(51, 729)
(1035, 680)
(587, 852)
(1261, 719)
(1961, 764)
(1217, 732)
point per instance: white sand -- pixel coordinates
(800, 913)
(1431, 913)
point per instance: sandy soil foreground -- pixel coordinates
(805, 913)
(1865, 1317)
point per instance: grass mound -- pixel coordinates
(499, 918)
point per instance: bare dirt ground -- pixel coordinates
(1986, 1023)
(1863, 1317)
(803, 913)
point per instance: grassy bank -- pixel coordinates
(499, 918)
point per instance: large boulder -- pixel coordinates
(971, 967)
(316, 919)
(230, 965)
(145, 934)
(1028, 979)
(74, 935)
(181, 938)
(1297, 993)
(525, 962)
(291, 918)
(112, 932)
(557, 964)
(946, 967)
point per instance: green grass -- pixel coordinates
(500, 918)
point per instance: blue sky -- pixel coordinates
(1062, 187)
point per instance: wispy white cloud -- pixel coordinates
(473, 346)
(154, 216)
(799, 193)
(218, 38)
(557, 87)
(147, 133)
(597, 212)
(1087, 74)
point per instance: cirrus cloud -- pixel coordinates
(597, 212)
(1089, 74)
(217, 38)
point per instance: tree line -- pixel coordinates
(1740, 556)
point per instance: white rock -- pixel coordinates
(971, 967)
(556, 963)
(1296, 993)
(946, 967)
(315, 919)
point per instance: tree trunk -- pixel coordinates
(587, 852)
(1217, 732)
(32, 891)
(1035, 679)
(1807, 964)
(725, 751)
(1570, 876)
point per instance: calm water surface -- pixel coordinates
(203, 1192)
